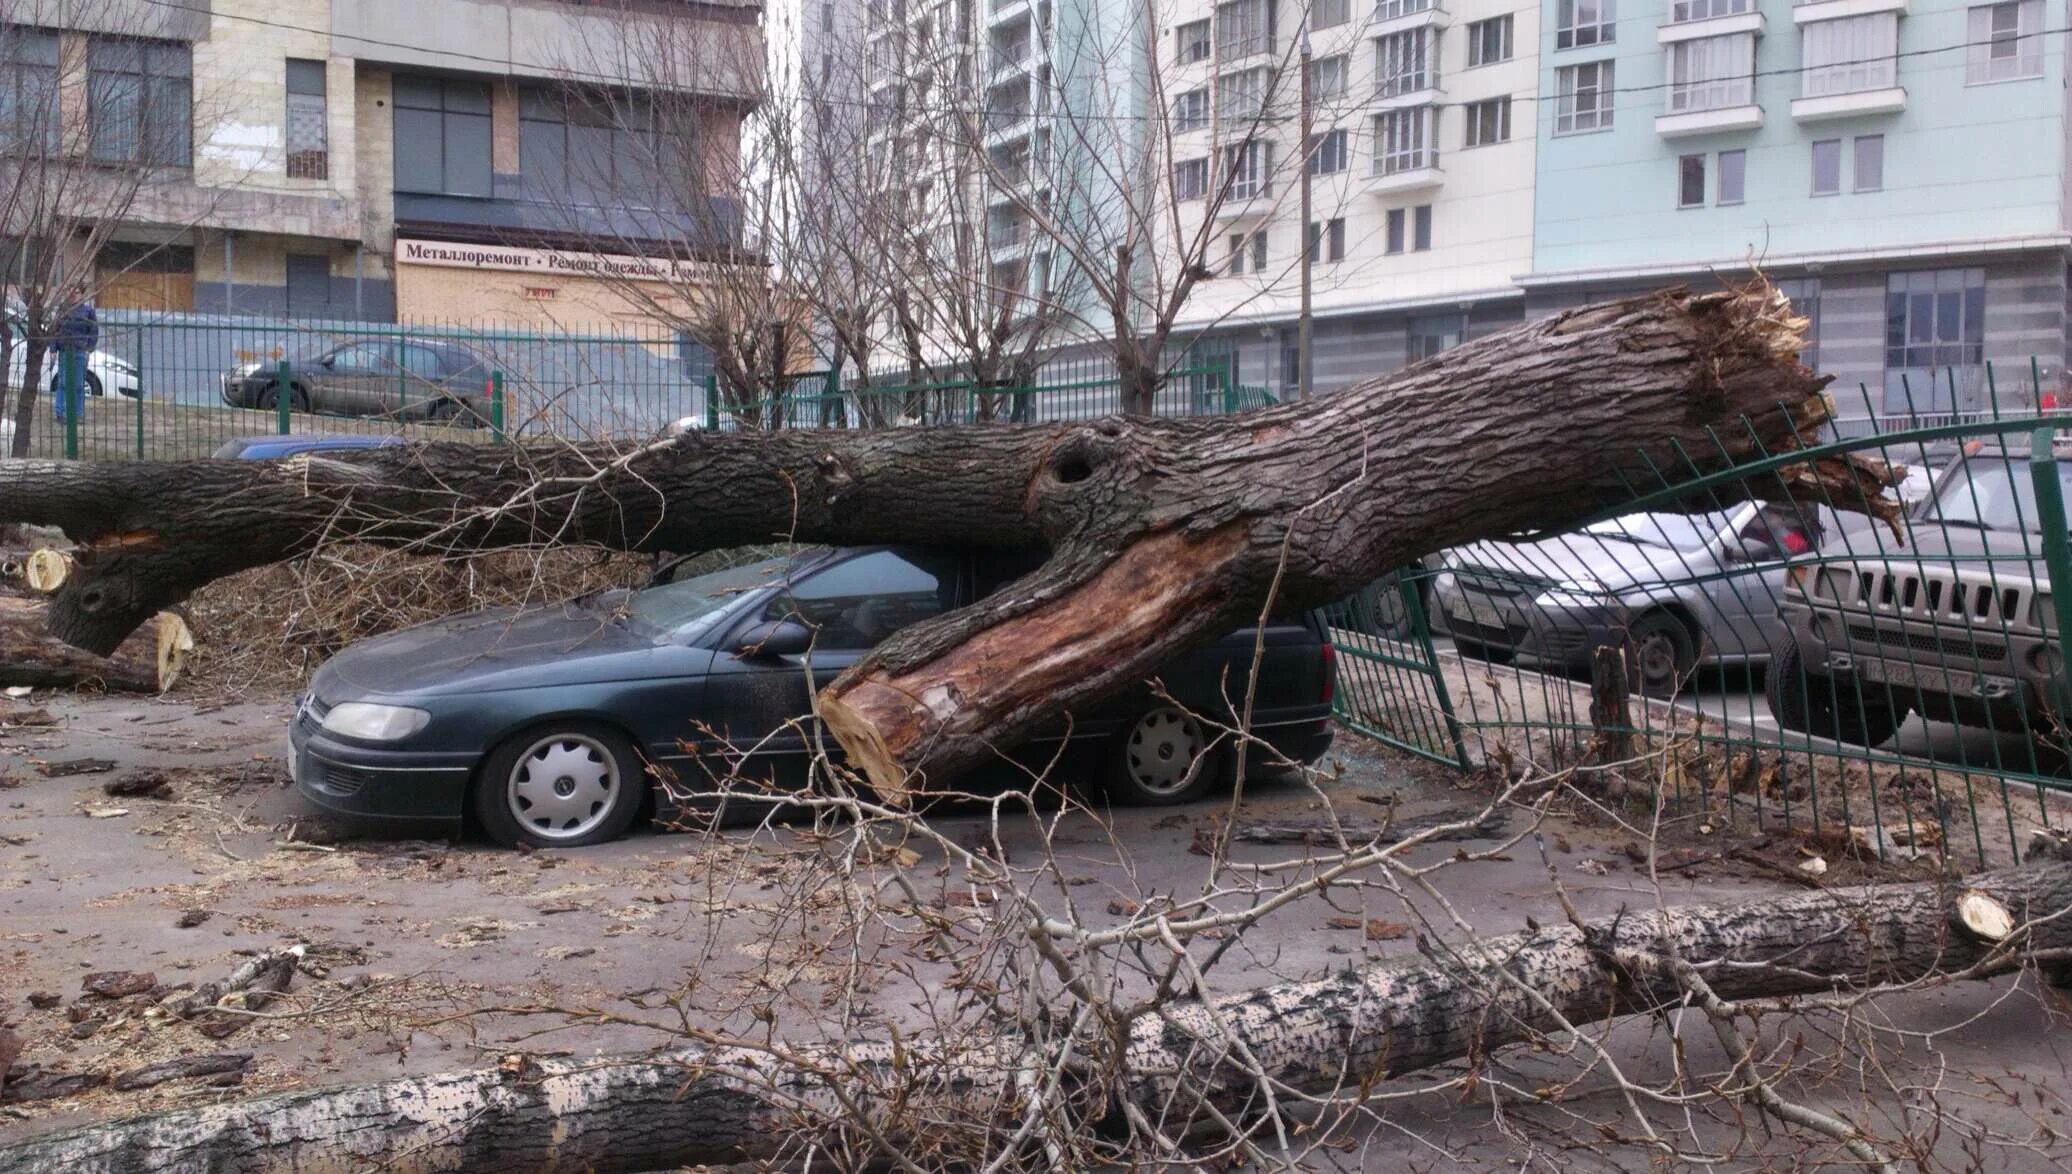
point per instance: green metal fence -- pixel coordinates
(170, 386)
(1894, 691)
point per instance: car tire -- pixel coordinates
(298, 398)
(1816, 704)
(1150, 760)
(1662, 652)
(562, 785)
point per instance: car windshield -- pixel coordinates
(1667, 531)
(671, 606)
(1992, 493)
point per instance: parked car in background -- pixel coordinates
(1958, 624)
(1680, 590)
(540, 724)
(401, 378)
(105, 373)
(273, 448)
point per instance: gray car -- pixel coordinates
(1679, 590)
(1958, 624)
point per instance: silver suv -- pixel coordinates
(1956, 625)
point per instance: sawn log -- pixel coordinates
(1401, 1015)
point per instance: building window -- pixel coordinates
(1583, 98)
(442, 137)
(308, 155)
(1585, 22)
(1489, 122)
(1244, 27)
(1690, 181)
(1733, 176)
(1329, 153)
(1432, 333)
(1249, 168)
(1327, 78)
(1394, 9)
(1328, 14)
(1247, 250)
(1683, 10)
(1804, 295)
(1421, 228)
(1327, 239)
(1191, 111)
(29, 117)
(1870, 163)
(2005, 41)
(1190, 179)
(1191, 41)
(602, 149)
(1712, 73)
(1489, 41)
(1397, 220)
(1827, 167)
(1405, 140)
(1404, 63)
(1850, 55)
(1935, 332)
(140, 102)
(1241, 96)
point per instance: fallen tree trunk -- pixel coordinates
(1162, 533)
(1405, 1014)
(148, 660)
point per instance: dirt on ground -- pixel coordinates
(184, 851)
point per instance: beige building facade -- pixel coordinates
(296, 146)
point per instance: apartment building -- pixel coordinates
(370, 159)
(1897, 166)
(1420, 158)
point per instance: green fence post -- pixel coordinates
(2057, 548)
(283, 395)
(496, 403)
(71, 366)
(140, 423)
(712, 402)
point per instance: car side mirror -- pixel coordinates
(772, 639)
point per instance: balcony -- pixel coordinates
(1710, 106)
(1808, 11)
(1852, 104)
(1712, 26)
(1404, 17)
(1406, 171)
(1012, 235)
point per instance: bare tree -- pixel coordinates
(74, 160)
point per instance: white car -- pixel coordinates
(105, 373)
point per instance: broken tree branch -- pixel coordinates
(1186, 1062)
(1162, 533)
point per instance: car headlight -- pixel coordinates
(375, 723)
(2046, 616)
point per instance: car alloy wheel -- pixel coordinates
(563, 786)
(1161, 751)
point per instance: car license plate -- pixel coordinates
(1480, 612)
(1908, 676)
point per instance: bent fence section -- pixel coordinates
(1897, 692)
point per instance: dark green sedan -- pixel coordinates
(557, 725)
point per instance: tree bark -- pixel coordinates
(1398, 1016)
(1162, 533)
(148, 660)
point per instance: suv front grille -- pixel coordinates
(1964, 651)
(1941, 596)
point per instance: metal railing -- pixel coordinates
(1896, 689)
(166, 387)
